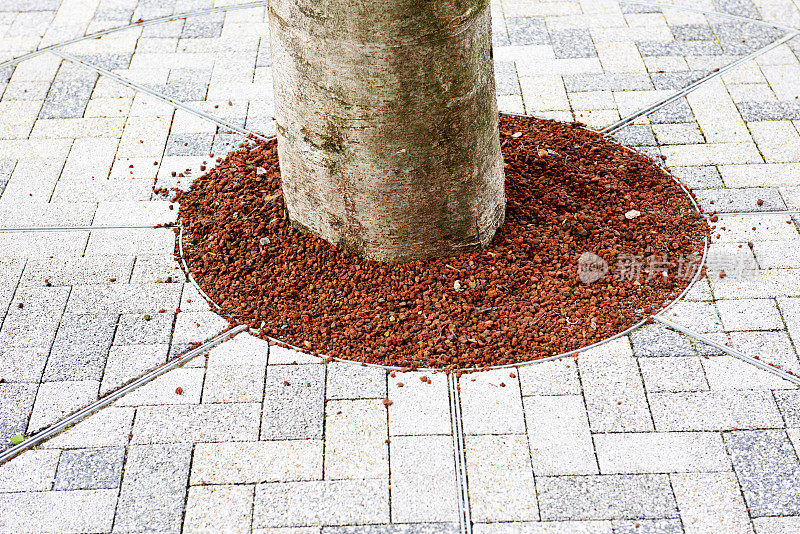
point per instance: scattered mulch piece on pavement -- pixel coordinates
(179, 390)
(521, 298)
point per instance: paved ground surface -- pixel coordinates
(650, 433)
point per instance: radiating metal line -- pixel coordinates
(732, 352)
(159, 96)
(691, 87)
(54, 429)
(711, 13)
(144, 23)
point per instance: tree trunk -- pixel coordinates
(387, 124)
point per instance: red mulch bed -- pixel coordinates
(520, 299)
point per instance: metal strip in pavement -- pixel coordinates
(457, 427)
(691, 87)
(76, 417)
(141, 24)
(732, 352)
(155, 94)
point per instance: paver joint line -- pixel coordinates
(55, 428)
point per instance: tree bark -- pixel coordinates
(387, 124)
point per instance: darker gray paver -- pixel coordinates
(67, 99)
(789, 405)
(90, 469)
(692, 32)
(575, 42)
(676, 80)
(679, 48)
(153, 488)
(658, 340)
(293, 402)
(768, 471)
(527, 31)
(636, 135)
(674, 112)
(648, 526)
(204, 26)
(606, 497)
(769, 111)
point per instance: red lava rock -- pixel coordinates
(179, 390)
(162, 310)
(502, 384)
(146, 317)
(285, 382)
(400, 384)
(760, 202)
(723, 274)
(714, 218)
(20, 305)
(387, 402)
(112, 279)
(520, 299)
(512, 375)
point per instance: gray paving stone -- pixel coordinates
(677, 452)
(614, 393)
(33, 470)
(349, 381)
(296, 410)
(692, 32)
(81, 347)
(771, 347)
(23, 364)
(789, 404)
(674, 112)
(673, 374)
(423, 479)
(559, 436)
(506, 80)
(193, 144)
(574, 42)
(703, 177)
(768, 471)
(90, 469)
(658, 340)
(67, 99)
(124, 298)
(58, 511)
(153, 488)
(56, 400)
(219, 509)
(714, 410)
(554, 377)
(109, 427)
(233, 384)
(648, 526)
(501, 484)
(527, 31)
(749, 314)
(409, 528)
(133, 329)
(80, 270)
(635, 135)
(737, 200)
(711, 502)
(324, 502)
(163, 390)
(777, 525)
(260, 461)
(606, 497)
(769, 111)
(419, 408)
(128, 362)
(355, 439)
(487, 407)
(188, 424)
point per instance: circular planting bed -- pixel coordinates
(596, 238)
